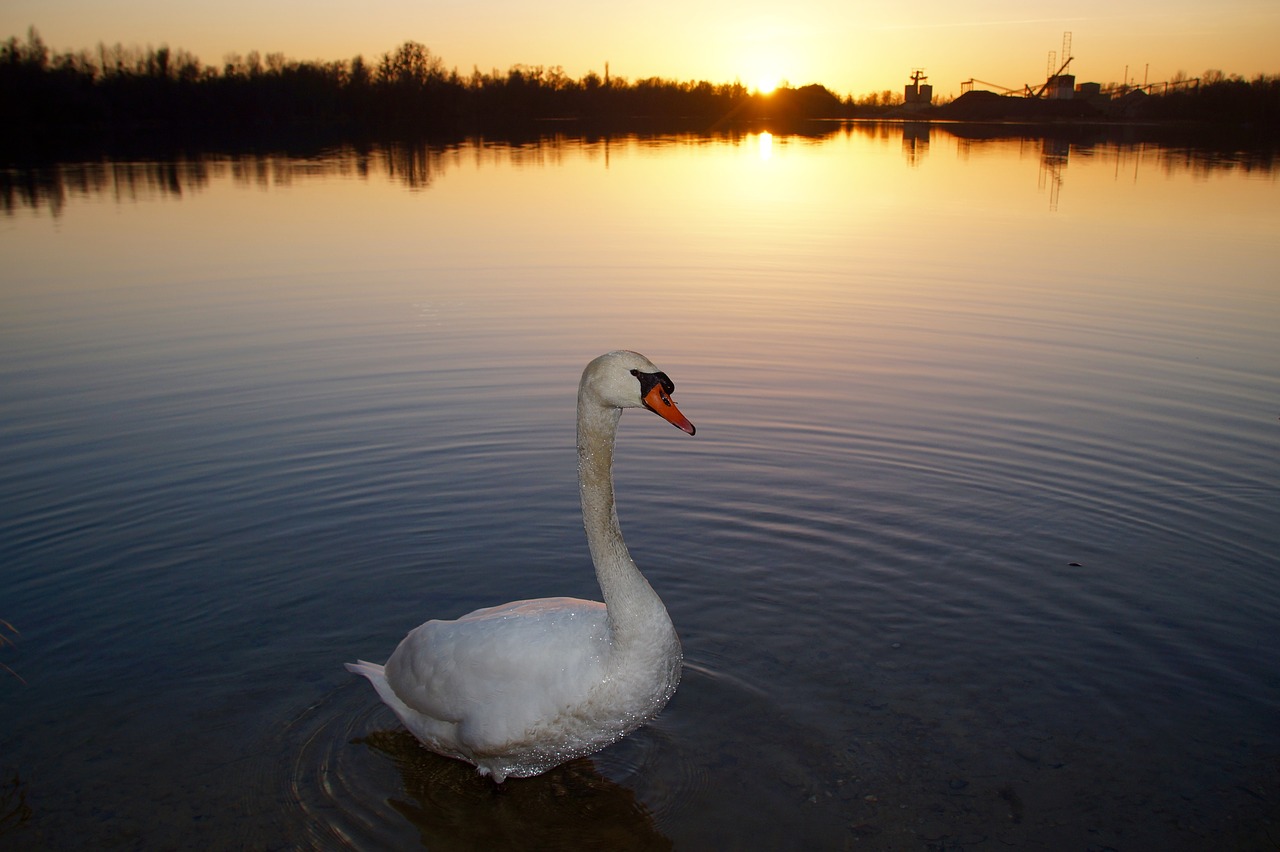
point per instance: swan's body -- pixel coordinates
(519, 688)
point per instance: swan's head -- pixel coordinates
(629, 380)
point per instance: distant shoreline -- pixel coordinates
(115, 96)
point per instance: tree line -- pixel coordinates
(406, 89)
(1220, 99)
(409, 90)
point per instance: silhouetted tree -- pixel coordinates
(410, 65)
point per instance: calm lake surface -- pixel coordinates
(976, 545)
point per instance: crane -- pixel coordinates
(1053, 75)
(1045, 84)
(1026, 91)
(967, 86)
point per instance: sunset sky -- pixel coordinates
(852, 46)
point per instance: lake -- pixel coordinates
(975, 546)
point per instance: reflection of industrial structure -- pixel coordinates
(918, 93)
(1053, 162)
(915, 141)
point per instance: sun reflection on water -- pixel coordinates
(765, 142)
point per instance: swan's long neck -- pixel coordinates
(631, 602)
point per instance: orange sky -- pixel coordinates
(852, 46)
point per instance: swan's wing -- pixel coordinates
(499, 670)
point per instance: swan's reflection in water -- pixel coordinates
(570, 806)
(723, 767)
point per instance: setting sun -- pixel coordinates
(767, 81)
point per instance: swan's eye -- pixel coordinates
(649, 381)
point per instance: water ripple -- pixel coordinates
(360, 780)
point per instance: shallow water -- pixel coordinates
(976, 541)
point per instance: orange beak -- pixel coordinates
(657, 401)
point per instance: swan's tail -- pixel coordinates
(377, 676)
(372, 671)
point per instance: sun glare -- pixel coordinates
(767, 82)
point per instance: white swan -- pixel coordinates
(519, 688)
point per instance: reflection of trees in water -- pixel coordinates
(417, 165)
(569, 807)
(50, 186)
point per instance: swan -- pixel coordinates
(519, 688)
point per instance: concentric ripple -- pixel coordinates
(711, 762)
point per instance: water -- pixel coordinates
(976, 541)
